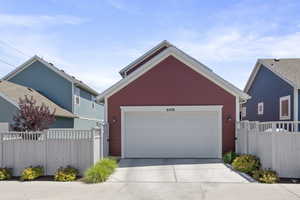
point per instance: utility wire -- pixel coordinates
(16, 49)
(7, 63)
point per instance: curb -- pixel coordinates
(244, 175)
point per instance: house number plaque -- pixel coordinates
(170, 109)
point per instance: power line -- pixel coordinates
(16, 49)
(7, 63)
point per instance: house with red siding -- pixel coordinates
(169, 105)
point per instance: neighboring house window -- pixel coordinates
(285, 108)
(260, 108)
(77, 95)
(244, 111)
(93, 101)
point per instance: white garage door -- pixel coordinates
(172, 132)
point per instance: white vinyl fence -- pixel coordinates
(52, 149)
(277, 144)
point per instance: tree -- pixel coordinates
(32, 117)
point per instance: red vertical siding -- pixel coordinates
(171, 83)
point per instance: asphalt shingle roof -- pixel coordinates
(14, 92)
(288, 68)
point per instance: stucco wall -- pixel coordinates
(267, 87)
(171, 83)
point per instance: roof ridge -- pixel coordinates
(145, 56)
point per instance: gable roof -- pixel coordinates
(287, 69)
(183, 57)
(163, 44)
(13, 92)
(68, 77)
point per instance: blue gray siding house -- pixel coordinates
(62, 89)
(10, 93)
(274, 89)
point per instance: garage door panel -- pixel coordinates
(171, 134)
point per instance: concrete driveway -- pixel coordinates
(175, 171)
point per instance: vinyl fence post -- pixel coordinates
(101, 141)
(96, 148)
(45, 136)
(247, 128)
(273, 136)
(1, 149)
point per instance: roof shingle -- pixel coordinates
(14, 92)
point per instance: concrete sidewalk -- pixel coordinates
(14, 190)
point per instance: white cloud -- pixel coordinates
(236, 45)
(232, 53)
(38, 20)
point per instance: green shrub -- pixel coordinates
(265, 176)
(5, 174)
(66, 174)
(100, 171)
(110, 163)
(229, 157)
(246, 163)
(32, 173)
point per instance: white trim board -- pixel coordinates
(214, 108)
(296, 106)
(184, 58)
(28, 63)
(9, 100)
(90, 119)
(176, 108)
(284, 98)
(144, 56)
(53, 68)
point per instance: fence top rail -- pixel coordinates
(270, 122)
(51, 134)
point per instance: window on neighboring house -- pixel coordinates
(77, 95)
(285, 108)
(260, 108)
(93, 101)
(244, 111)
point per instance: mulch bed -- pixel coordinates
(42, 178)
(289, 180)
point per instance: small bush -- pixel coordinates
(229, 157)
(246, 163)
(100, 171)
(32, 173)
(110, 163)
(5, 174)
(66, 174)
(265, 176)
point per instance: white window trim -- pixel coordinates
(93, 99)
(244, 111)
(289, 108)
(262, 110)
(76, 96)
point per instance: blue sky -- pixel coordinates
(93, 40)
